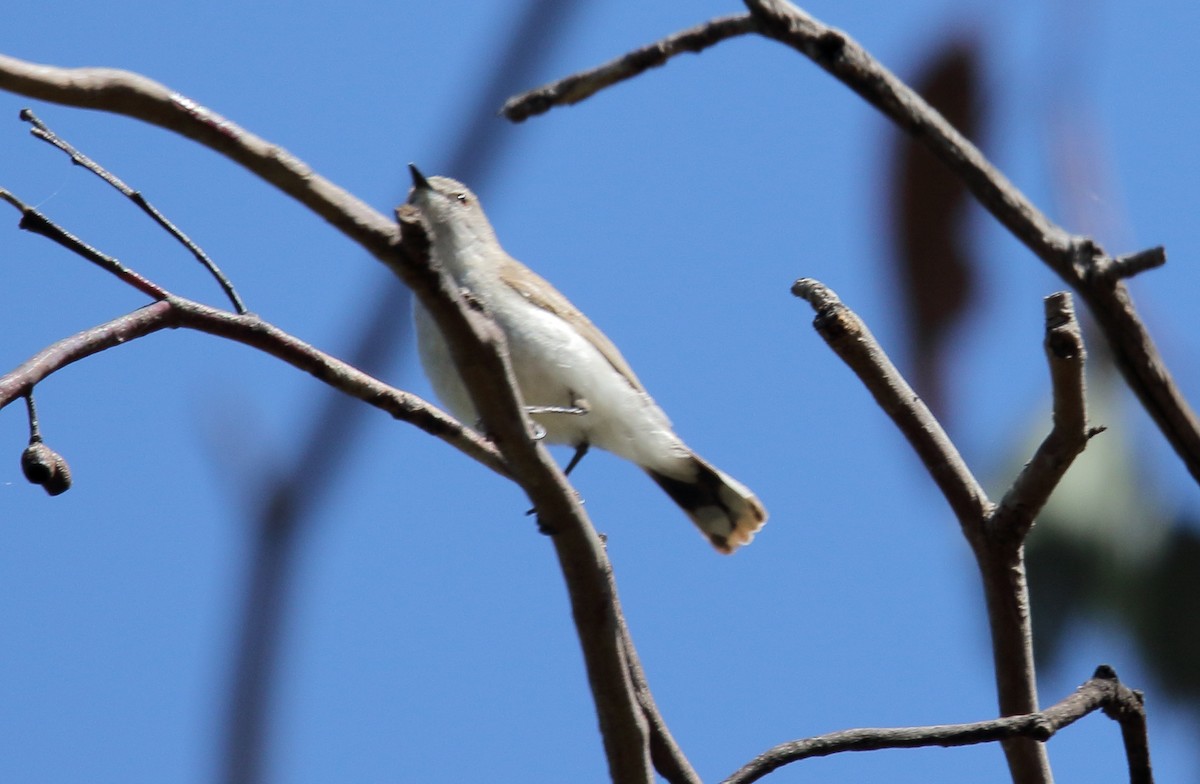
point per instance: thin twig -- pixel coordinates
(41, 131)
(1132, 264)
(37, 223)
(577, 87)
(35, 431)
(134, 95)
(1102, 692)
(243, 328)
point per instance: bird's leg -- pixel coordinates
(581, 449)
(577, 407)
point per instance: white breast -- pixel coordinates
(556, 366)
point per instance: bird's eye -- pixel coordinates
(462, 198)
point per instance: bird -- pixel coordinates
(577, 387)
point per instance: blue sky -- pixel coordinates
(428, 636)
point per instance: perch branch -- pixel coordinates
(474, 344)
(317, 458)
(669, 760)
(581, 554)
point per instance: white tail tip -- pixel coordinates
(722, 508)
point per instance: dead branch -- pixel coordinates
(1102, 692)
(996, 534)
(580, 86)
(41, 131)
(248, 329)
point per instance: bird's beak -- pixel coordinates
(418, 179)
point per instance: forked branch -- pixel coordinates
(996, 534)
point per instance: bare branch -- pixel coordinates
(41, 131)
(1001, 563)
(133, 95)
(580, 86)
(250, 330)
(1075, 259)
(669, 760)
(581, 554)
(36, 222)
(244, 328)
(1131, 264)
(1102, 692)
(1065, 354)
(1000, 558)
(850, 339)
(317, 458)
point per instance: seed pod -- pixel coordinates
(43, 466)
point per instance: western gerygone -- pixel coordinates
(578, 387)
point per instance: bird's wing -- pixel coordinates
(539, 292)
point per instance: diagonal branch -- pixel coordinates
(37, 223)
(854, 344)
(580, 86)
(582, 558)
(669, 760)
(319, 455)
(133, 95)
(41, 131)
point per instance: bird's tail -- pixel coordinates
(721, 507)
